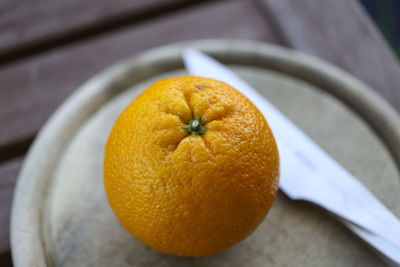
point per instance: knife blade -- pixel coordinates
(307, 172)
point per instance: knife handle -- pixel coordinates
(386, 250)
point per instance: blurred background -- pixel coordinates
(386, 16)
(49, 47)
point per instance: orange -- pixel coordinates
(191, 166)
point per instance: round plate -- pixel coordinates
(60, 214)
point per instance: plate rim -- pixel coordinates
(30, 194)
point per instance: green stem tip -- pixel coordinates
(195, 127)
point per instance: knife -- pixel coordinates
(309, 173)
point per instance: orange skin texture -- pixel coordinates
(191, 195)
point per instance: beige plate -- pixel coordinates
(60, 215)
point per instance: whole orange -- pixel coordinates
(191, 166)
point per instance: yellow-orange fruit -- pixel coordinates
(191, 188)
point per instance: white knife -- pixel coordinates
(308, 173)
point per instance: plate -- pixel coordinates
(60, 215)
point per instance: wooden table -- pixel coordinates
(48, 48)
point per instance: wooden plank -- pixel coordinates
(24, 23)
(8, 174)
(32, 89)
(340, 32)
